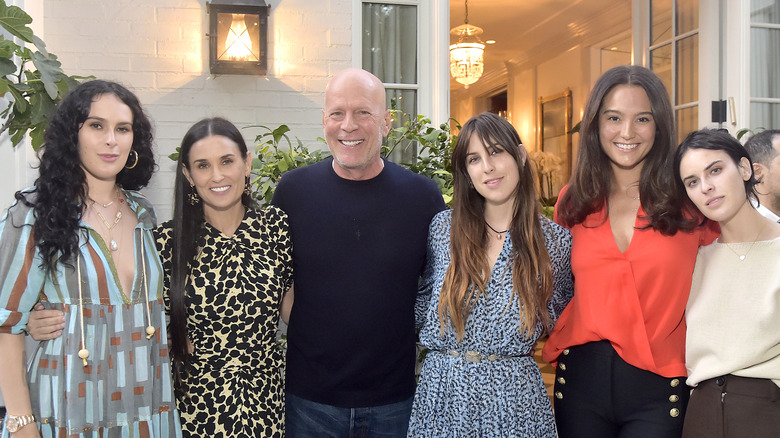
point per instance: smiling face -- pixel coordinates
(493, 172)
(715, 183)
(626, 127)
(105, 138)
(218, 172)
(355, 120)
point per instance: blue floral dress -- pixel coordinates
(500, 393)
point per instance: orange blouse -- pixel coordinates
(635, 299)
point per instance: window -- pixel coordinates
(389, 50)
(764, 64)
(674, 57)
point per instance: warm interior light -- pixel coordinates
(238, 44)
(466, 56)
(466, 62)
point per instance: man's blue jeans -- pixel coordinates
(307, 419)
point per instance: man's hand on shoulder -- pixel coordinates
(45, 324)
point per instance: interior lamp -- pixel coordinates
(466, 56)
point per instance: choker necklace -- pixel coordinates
(113, 245)
(743, 256)
(499, 234)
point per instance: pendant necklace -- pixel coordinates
(113, 245)
(499, 234)
(743, 256)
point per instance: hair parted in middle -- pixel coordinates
(468, 273)
(591, 179)
(61, 186)
(188, 222)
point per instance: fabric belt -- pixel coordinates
(476, 357)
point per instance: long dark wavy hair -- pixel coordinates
(468, 273)
(591, 180)
(714, 140)
(188, 222)
(61, 187)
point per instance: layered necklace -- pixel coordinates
(113, 245)
(499, 234)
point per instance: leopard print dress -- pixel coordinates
(236, 381)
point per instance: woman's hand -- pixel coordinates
(45, 324)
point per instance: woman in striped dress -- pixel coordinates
(81, 241)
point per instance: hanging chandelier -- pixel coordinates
(466, 56)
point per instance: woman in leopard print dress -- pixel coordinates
(228, 266)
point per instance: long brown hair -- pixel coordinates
(468, 273)
(591, 180)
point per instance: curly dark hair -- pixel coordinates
(591, 180)
(188, 221)
(60, 190)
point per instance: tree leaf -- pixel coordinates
(7, 48)
(15, 21)
(7, 67)
(50, 72)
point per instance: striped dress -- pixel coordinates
(125, 390)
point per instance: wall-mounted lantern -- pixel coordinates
(238, 36)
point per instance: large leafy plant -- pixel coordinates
(276, 153)
(33, 78)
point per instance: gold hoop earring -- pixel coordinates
(193, 197)
(135, 163)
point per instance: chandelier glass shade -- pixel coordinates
(466, 56)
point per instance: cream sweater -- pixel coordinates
(733, 312)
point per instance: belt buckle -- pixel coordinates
(472, 356)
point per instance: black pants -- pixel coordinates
(734, 407)
(599, 395)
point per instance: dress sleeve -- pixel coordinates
(436, 229)
(559, 243)
(21, 276)
(284, 250)
(162, 236)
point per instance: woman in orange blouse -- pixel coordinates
(619, 345)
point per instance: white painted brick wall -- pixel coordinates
(159, 49)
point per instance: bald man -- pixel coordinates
(764, 150)
(359, 228)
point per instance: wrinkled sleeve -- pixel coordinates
(436, 230)
(21, 276)
(559, 241)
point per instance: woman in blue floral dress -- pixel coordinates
(499, 275)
